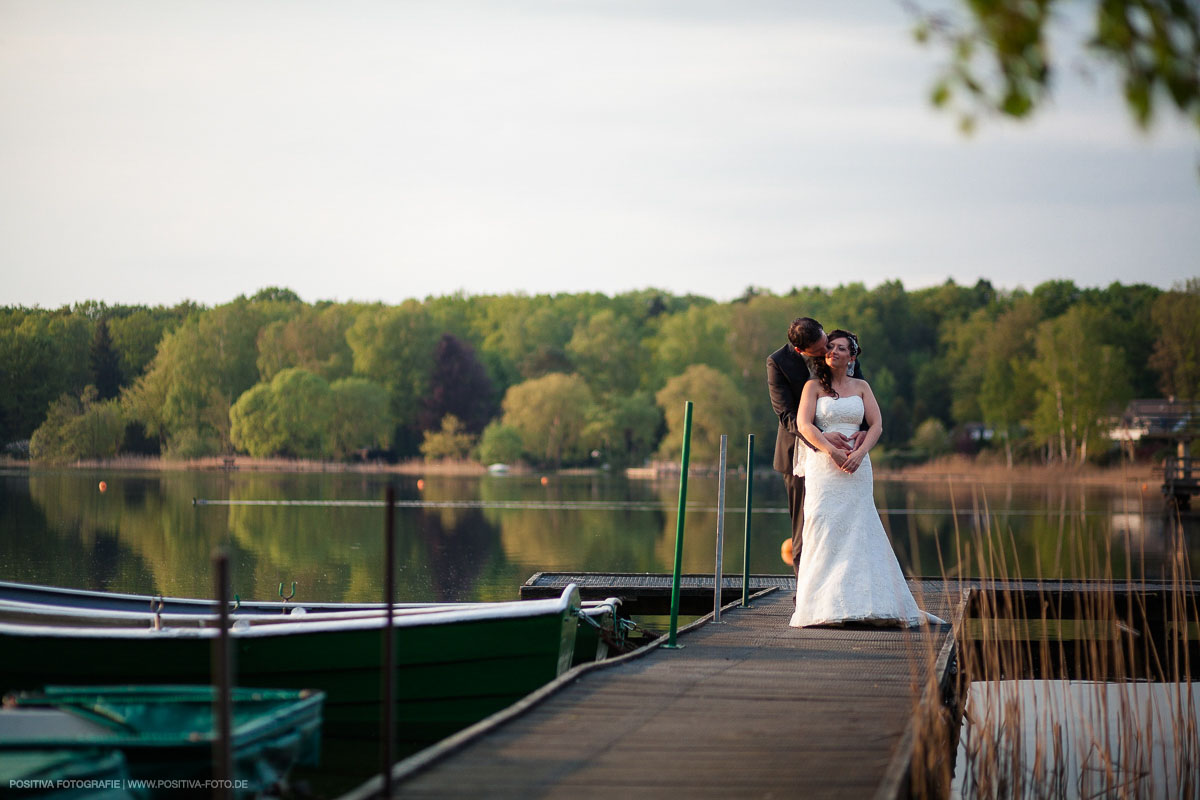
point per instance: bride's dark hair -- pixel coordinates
(824, 373)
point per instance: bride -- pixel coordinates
(847, 572)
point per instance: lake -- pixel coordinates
(479, 538)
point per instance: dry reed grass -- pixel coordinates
(1071, 693)
(980, 469)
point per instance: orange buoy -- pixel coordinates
(545, 480)
(785, 551)
(103, 486)
(420, 484)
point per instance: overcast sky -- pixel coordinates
(152, 152)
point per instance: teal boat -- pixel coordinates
(154, 741)
(59, 774)
(454, 666)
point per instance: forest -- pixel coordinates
(583, 379)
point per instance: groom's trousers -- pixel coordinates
(795, 496)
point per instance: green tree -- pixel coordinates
(607, 351)
(699, 335)
(303, 408)
(104, 363)
(200, 368)
(452, 441)
(393, 346)
(315, 338)
(757, 328)
(500, 444)
(254, 425)
(897, 418)
(1082, 379)
(136, 335)
(550, 413)
(1177, 352)
(362, 417)
(1129, 311)
(1000, 59)
(1008, 385)
(290, 416)
(43, 354)
(79, 428)
(717, 408)
(625, 427)
(931, 393)
(932, 438)
(961, 346)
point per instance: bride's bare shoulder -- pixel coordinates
(814, 388)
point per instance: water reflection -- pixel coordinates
(145, 535)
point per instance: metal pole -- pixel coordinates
(720, 531)
(746, 547)
(683, 476)
(222, 670)
(387, 754)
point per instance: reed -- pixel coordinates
(1083, 692)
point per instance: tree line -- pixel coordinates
(574, 379)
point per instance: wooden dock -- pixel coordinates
(747, 707)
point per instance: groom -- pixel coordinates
(788, 368)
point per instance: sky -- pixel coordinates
(154, 152)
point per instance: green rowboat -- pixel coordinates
(453, 666)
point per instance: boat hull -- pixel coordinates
(164, 734)
(451, 668)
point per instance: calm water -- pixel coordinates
(481, 537)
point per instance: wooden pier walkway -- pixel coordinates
(747, 707)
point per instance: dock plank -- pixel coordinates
(747, 707)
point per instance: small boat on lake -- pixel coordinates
(117, 601)
(157, 734)
(454, 664)
(601, 630)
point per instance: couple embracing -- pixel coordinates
(828, 423)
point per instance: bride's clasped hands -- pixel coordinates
(852, 460)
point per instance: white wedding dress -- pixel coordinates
(848, 572)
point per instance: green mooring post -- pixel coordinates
(683, 476)
(746, 546)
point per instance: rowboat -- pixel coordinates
(38, 774)
(162, 734)
(454, 665)
(601, 631)
(116, 601)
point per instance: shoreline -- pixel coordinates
(950, 468)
